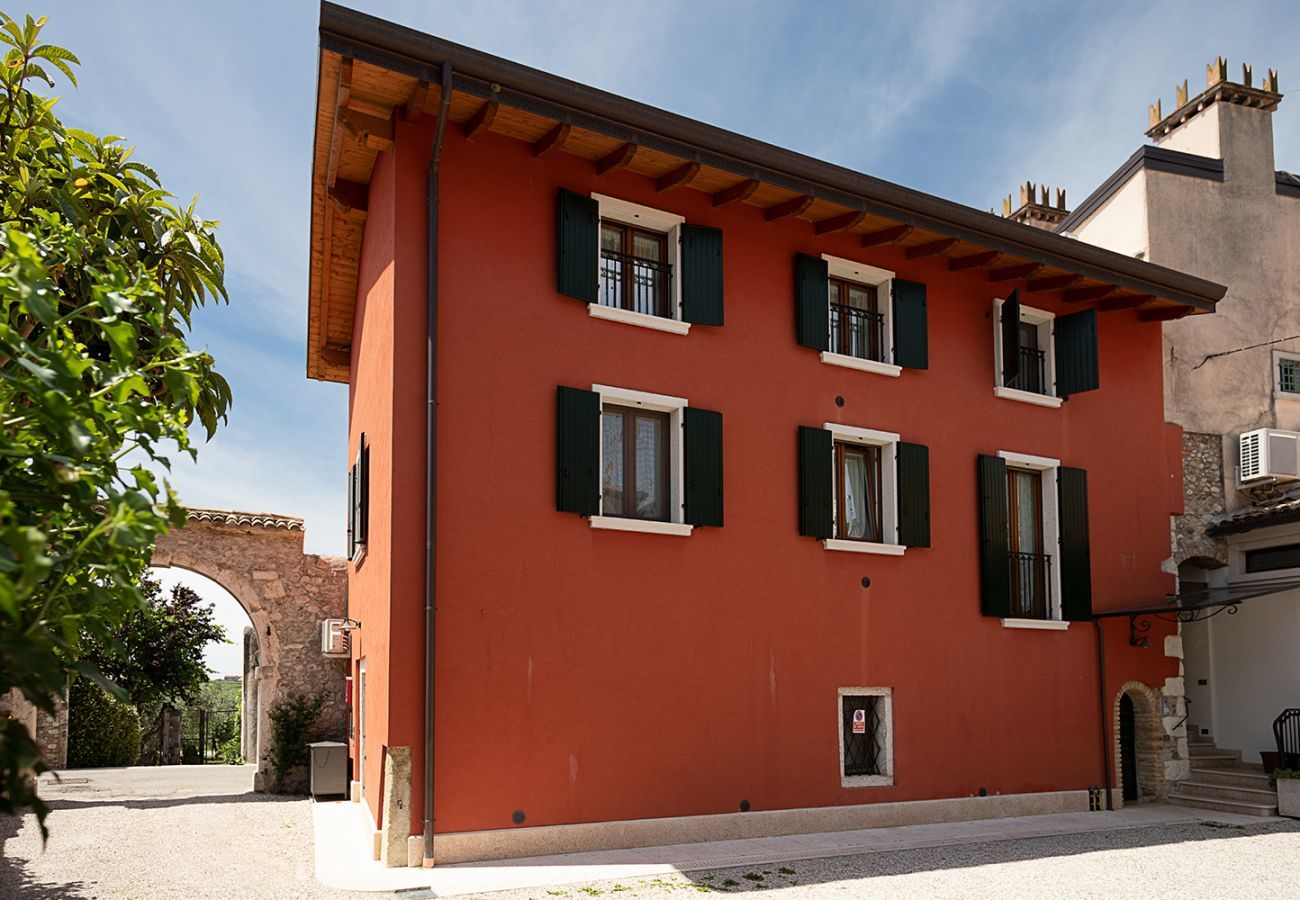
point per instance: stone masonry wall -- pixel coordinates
(1202, 499)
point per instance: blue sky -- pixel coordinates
(962, 100)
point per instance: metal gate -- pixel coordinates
(205, 730)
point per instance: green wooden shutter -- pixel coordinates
(913, 495)
(703, 455)
(812, 311)
(352, 511)
(363, 483)
(577, 246)
(701, 275)
(1075, 556)
(995, 539)
(911, 343)
(1076, 353)
(1010, 326)
(577, 440)
(816, 482)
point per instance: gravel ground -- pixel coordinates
(1206, 860)
(195, 839)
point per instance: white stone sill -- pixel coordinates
(629, 317)
(645, 526)
(865, 547)
(866, 781)
(862, 365)
(1007, 393)
(1036, 624)
(1286, 395)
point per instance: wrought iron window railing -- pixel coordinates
(862, 748)
(857, 332)
(1031, 585)
(635, 283)
(1033, 371)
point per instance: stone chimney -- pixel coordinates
(1035, 208)
(1229, 120)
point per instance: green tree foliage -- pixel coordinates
(156, 654)
(100, 274)
(102, 730)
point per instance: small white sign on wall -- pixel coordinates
(859, 721)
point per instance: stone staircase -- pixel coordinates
(1220, 781)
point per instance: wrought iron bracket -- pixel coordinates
(1139, 625)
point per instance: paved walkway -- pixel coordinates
(340, 861)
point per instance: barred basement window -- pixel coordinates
(866, 737)
(1286, 374)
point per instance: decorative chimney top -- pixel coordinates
(1036, 208)
(1218, 90)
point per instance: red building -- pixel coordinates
(704, 489)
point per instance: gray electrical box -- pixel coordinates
(329, 769)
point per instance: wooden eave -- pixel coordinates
(369, 75)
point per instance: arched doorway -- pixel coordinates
(1139, 743)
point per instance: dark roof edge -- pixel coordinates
(1252, 522)
(1157, 159)
(1288, 185)
(405, 50)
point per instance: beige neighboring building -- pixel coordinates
(1207, 198)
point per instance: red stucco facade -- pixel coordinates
(586, 675)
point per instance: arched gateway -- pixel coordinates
(259, 559)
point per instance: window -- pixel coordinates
(635, 273)
(1030, 563)
(1031, 375)
(1286, 378)
(857, 492)
(1271, 559)
(634, 463)
(359, 501)
(864, 718)
(857, 326)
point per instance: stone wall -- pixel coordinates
(1203, 500)
(52, 734)
(1148, 738)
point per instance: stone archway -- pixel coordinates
(258, 558)
(1148, 740)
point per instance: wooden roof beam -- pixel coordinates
(890, 235)
(1012, 273)
(974, 261)
(353, 196)
(842, 222)
(369, 131)
(934, 248)
(616, 160)
(552, 140)
(1052, 283)
(1165, 314)
(416, 101)
(678, 177)
(737, 192)
(337, 354)
(795, 206)
(342, 91)
(1090, 293)
(481, 121)
(1113, 304)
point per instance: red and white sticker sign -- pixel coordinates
(859, 721)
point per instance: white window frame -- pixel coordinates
(887, 441)
(885, 762)
(653, 220)
(1049, 468)
(1260, 539)
(674, 406)
(1046, 323)
(1278, 393)
(883, 281)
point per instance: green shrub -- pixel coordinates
(102, 731)
(231, 753)
(293, 724)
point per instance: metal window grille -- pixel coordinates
(862, 754)
(1033, 371)
(635, 283)
(857, 332)
(1289, 375)
(1031, 585)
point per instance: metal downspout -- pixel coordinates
(1101, 697)
(431, 457)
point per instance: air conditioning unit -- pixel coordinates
(1267, 454)
(334, 638)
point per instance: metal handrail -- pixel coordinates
(1033, 371)
(649, 288)
(857, 332)
(1031, 581)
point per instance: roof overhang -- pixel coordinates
(1202, 603)
(372, 70)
